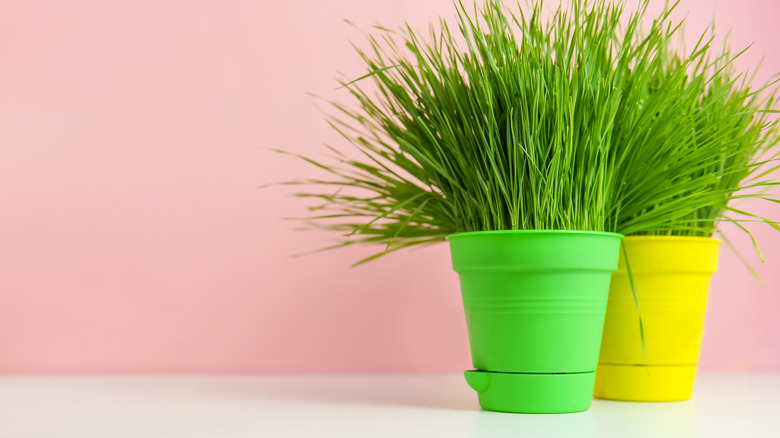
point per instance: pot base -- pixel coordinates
(532, 393)
(652, 383)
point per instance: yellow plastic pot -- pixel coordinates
(672, 279)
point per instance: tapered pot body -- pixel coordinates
(671, 277)
(535, 303)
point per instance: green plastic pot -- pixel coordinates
(535, 302)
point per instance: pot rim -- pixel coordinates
(676, 238)
(529, 232)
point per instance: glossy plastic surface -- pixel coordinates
(672, 279)
(652, 383)
(532, 393)
(534, 303)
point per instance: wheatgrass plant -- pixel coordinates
(700, 112)
(584, 121)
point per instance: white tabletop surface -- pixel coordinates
(370, 406)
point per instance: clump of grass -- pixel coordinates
(700, 112)
(516, 122)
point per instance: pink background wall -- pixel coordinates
(132, 137)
